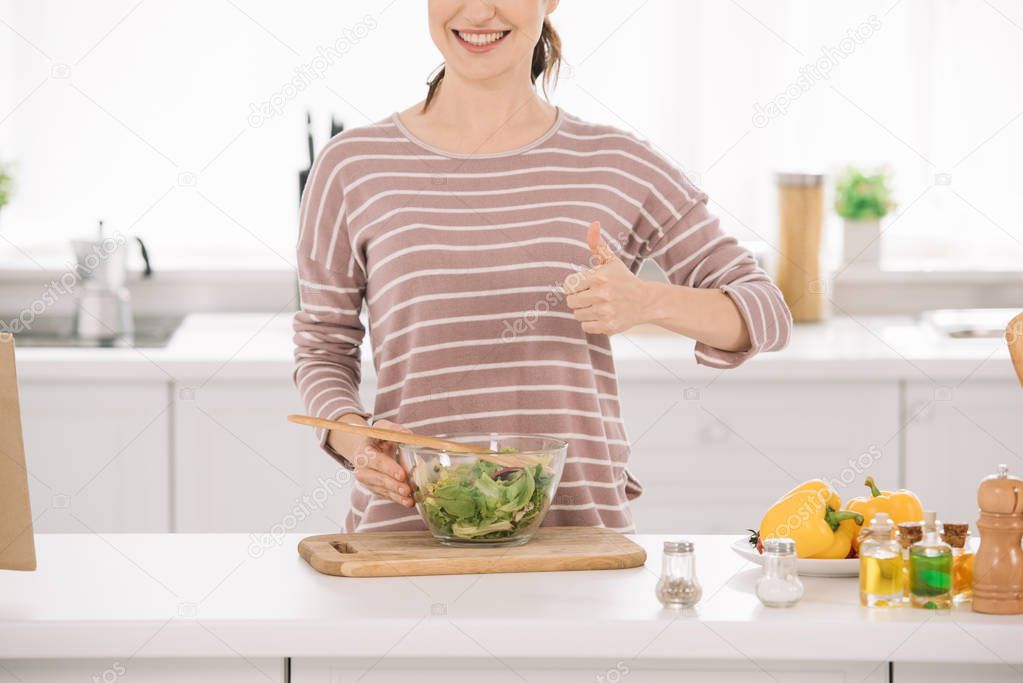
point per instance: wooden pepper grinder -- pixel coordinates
(998, 566)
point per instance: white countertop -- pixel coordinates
(191, 595)
(257, 346)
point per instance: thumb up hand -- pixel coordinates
(607, 298)
(601, 252)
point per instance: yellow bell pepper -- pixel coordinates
(827, 496)
(848, 530)
(805, 515)
(901, 506)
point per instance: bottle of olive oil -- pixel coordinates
(957, 535)
(881, 577)
(930, 568)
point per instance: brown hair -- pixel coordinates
(546, 61)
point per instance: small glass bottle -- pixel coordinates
(678, 586)
(958, 537)
(780, 585)
(880, 564)
(930, 568)
(909, 533)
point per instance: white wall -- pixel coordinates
(7, 72)
(167, 93)
(158, 94)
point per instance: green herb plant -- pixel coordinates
(6, 185)
(481, 500)
(862, 197)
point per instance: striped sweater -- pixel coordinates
(459, 261)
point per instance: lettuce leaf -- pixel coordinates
(481, 500)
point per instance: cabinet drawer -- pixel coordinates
(139, 670)
(569, 671)
(97, 455)
(240, 466)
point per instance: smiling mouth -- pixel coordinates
(480, 39)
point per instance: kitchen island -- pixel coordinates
(234, 607)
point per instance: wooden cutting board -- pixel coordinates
(416, 553)
(17, 545)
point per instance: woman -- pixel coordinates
(464, 225)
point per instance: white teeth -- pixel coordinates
(480, 38)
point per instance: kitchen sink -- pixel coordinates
(150, 332)
(970, 323)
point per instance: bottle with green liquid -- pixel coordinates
(930, 568)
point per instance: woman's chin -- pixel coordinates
(474, 71)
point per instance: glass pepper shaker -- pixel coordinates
(678, 586)
(780, 585)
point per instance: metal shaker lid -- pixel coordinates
(780, 546)
(683, 546)
(799, 178)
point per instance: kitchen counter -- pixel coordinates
(229, 596)
(257, 346)
(192, 437)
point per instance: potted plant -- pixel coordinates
(863, 200)
(6, 183)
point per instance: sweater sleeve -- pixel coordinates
(327, 330)
(691, 248)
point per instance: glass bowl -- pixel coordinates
(495, 499)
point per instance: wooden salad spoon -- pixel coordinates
(1014, 338)
(413, 439)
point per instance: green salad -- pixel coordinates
(481, 500)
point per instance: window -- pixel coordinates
(185, 122)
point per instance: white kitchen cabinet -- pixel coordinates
(955, 673)
(494, 670)
(139, 670)
(713, 458)
(97, 455)
(956, 436)
(240, 466)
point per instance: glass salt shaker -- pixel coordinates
(678, 586)
(780, 585)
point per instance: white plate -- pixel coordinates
(835, 568)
